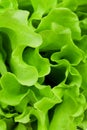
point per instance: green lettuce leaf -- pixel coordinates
(9, 85)
(43, 65)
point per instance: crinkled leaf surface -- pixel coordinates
(43, 61)
(32, 57)
(26, 74)
(12, 92)
(19, 25)
(69, 20)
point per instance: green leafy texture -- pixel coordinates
(72, 4)
(58, 74)
(42, 106)
(69, 4)
(45, 95)
(46, 91)
(25, 108)
(48, 96)
(54, 36)
(7, 111)
(18, 26)
(83, 24)
(26, 74)
(3, 68)
(61, 117)
(44, 48)
(42, 7)
(28, 100)
(63, 72)
(82, 2)
(21, 126)
(64, 112)
(82, 44)
(32, 57)
(8, 4)
(24, 117)
(3, 53)
(12, 92)
(9, 123)
(2, 125)
(66, 53)
(24, 4)
(82, 11)
(83, 124)
(14, 26)
(64, 17)
(74, 77)
(41, 118)
(82, 68)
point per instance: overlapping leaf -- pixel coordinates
(43, 61)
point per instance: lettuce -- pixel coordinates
(43, 65)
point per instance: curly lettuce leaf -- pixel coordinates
(68, 19)
(64, 113)
(32, 57)
(9, 85)
(43, 61)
